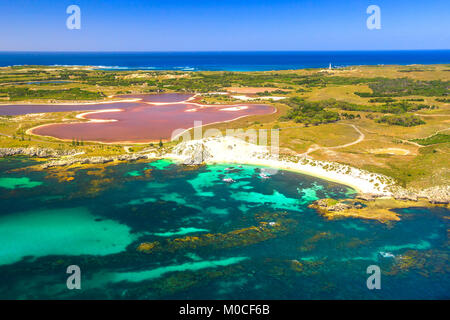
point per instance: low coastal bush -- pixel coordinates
(17, 94)
(267, 93)
(384, 87)
(402, 107)
(309, 112)
(414, 99)
(396, 107)
(350, 116)
(437, 138)
(317, 112)
(407, 120)
(381, 99)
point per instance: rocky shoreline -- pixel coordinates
(435, 195)
(380, 209)
(37, 152)
(97, 160)
(67, 157)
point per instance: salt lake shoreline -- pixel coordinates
(82, 116)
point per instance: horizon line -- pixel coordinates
(213, 51)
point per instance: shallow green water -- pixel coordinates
(71, 231)
(98, 221)
(15, 183)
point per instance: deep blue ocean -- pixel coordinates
(230, 61)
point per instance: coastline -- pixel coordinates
(281, 166)
(235, 150)
(365, 183)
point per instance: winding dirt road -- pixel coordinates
(317, 147)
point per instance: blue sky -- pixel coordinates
(225, 25)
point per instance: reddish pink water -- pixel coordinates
(141, 122)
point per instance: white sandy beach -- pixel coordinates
(234, 150)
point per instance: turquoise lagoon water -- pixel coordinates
(97, 221)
